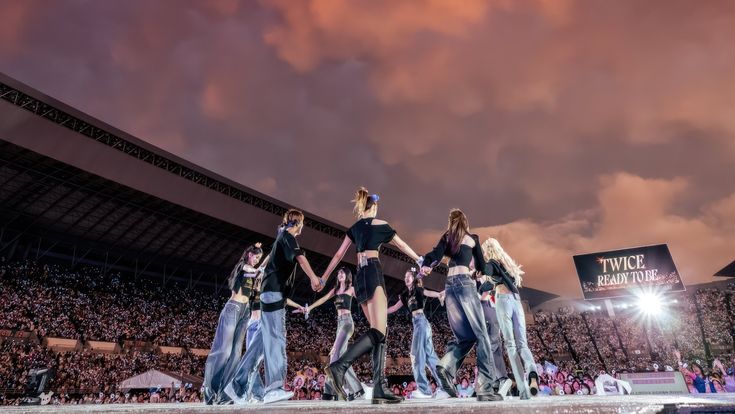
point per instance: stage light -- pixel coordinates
(650, 304)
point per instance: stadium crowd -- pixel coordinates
(86, 303)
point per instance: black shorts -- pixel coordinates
(368, 279)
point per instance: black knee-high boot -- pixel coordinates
(381, 395)
(336, 371)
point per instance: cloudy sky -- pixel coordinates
(558, 126)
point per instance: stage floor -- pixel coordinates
(640, 404)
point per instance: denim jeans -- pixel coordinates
(254, 338)
(247, 375)
(468, 325)
(493, 332)
(273, 329)
(345, 329)
(512, 322)
(227, 346)
(423, 353)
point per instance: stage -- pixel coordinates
(715, 403)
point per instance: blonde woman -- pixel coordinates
(507, 276)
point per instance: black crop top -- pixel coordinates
(367, 236)
(463, 257)
(343, 301)
(499, 275)
(413, 299)
(243, 282)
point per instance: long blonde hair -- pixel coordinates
(491, 249)
(363, 201)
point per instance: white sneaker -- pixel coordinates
(505, 387)
(440, 394)
(418, 395)
(277, 395)
(230, 391)
(368, 391)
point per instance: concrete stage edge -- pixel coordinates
(716, 403)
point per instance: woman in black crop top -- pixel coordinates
(423, 354)
(463, 307)
(342, 293)
(231, 327)
(368, 233)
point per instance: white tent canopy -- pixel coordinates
(155, 378)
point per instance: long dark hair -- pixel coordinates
(416, 281)
(254, 249)
(348, 278)
(457, 228)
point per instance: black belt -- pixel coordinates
(272, 307)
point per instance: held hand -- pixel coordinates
(300, 309)
(677, 354)
(316, 284)
(426, 270)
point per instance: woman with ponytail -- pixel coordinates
(368, 234)
(231, 327)
(278, 281)
(507, 276)
(466, 318)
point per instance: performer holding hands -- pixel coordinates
(464, 310)
(368, 234)
(278, 281)
(422, 345)
(342, 293)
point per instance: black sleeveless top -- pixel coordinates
(367, 236)
(414, 299)
(343, 301)
(462, 258)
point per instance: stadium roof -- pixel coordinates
(75, 188)
(727, 271)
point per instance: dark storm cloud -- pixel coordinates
(529, 115)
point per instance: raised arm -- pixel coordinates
(395, 307)
(480, 263)
(405, 248)
(264, 262)
(336, 259)
(438, 295)
(431, 293)
(316, 284)
(436, 255)
(321, 300)
(293, 304)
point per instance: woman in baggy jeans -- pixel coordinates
(422, 345)
(463, 307)
(231, 327)
(507, 275)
